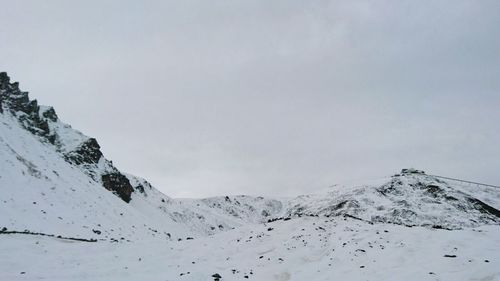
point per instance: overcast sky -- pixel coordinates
(208, 98)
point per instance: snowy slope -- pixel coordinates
(40, 192)
(307, 248)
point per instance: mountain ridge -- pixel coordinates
(409, 198)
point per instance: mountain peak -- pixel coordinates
(12, 97)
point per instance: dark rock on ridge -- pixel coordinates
(483, 207)
(118, 184)
(26, 110)
(50, 114)
(89, 152)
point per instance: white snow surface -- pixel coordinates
(298, 249)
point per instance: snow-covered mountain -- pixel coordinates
(411, 199)
(56, 184)
(55, 180)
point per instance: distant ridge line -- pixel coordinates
(471, 182)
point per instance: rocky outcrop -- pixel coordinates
(483, 207)
(89, 152)
(13, 97)
(118, 184)
(26, 110)
(4, 82)
(50, 114)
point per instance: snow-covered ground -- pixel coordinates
(307, 248)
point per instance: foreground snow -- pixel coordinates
(308, 248)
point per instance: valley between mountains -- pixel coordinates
(67, 213)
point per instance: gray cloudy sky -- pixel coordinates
(254, 97)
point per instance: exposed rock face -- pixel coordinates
(89, 152)
(27, 111)
(4, 81)
(50, 114)
(41, 122)
(118, 184)
(483, 207)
